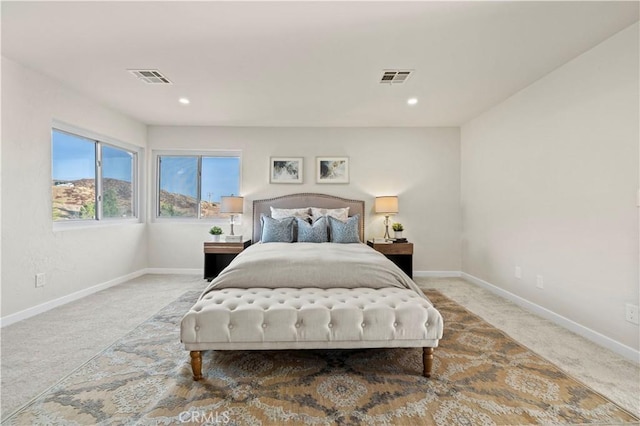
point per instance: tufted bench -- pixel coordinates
(310, 318)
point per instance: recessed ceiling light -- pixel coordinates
(184, 101)
(412, 101)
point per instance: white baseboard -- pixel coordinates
(43, 307)
(598, 338)
(173, 271)
(437, 274)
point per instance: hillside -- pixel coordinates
(76, 200)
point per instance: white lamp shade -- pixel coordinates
(388, 205)
(231, 204)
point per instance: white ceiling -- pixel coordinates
(304, 63)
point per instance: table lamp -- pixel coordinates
(386, 205)
(233, 205)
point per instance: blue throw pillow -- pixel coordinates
(277, 231)
(316, 233)
(344, 232)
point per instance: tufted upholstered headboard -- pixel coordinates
(303, 200)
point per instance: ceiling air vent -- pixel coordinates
(395, 76)
(150, 76)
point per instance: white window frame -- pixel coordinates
(138, 162)
(156, 154)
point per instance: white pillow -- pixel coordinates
(284, 213)
(340, 214)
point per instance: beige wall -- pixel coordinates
(550, 182)
(72, 260)
(420, 165)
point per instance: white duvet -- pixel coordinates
(303, 265)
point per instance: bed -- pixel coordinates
(292, 290)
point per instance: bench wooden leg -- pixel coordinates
(427, 358)
(196, 364)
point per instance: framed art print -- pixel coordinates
(332, 169)
(286, 170)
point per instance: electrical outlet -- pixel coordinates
(539, 281)
(518, 272)
(40, 280)
(631, 313)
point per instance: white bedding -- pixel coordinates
(304, 265)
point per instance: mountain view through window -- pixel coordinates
(77, 164)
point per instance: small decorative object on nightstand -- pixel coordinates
(400, 253)
(215, 232)
(397, 230)
(218, 255)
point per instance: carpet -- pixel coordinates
(481, 377)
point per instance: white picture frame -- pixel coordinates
(286, 170)
(332, 169)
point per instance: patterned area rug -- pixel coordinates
(481, 377)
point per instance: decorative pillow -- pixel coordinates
(344, 232)
(340, 214)
(283, 213)
(316, 233)
(277, 231)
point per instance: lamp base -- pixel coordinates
(233, 238)
(386, 228)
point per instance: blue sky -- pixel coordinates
(219, 176)
(74, 158)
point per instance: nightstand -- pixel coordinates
(218, 255)
(399, 253)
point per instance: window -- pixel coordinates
(92, 180)
(190, 186)
(117, 182)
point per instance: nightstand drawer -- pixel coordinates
(393, 248)
(225, 248)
